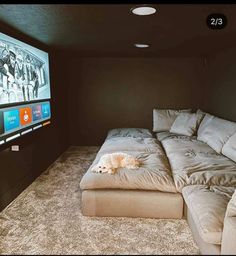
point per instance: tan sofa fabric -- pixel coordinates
(132, 203)
(168, 135)
(207, 205)
(215, 131)
(231, 208)
(185, 124)
(229, 232)
(195, 163)
(153, 174)
(205, 248)
(164, 118)
(162, 135)
(229, 149)
(200, 115)
(129, 132)
(116, 144)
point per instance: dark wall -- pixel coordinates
(41, 148)
(106, 93)
(220, 97)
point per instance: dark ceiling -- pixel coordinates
(111, 29)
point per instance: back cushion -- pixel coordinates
(185, 124)
(229, 149)
(215, 131)
(164, 118)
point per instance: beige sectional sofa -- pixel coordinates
(188, 171)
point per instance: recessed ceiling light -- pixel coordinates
(141, 45)
(144, 10)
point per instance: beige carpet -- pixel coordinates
(46, 219)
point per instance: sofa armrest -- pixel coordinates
(228, 243)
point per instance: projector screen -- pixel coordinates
(24, 88)
(24, 72)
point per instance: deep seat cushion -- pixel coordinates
(115, 144)
(195, 163)
(207, 205)
(129, 132)
(153, 174)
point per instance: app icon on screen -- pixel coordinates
(25, 115)
(46, 113)
(37, 112)
(1, 123)
(11, 119)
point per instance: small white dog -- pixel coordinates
(111, 162)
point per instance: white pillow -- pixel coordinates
(229, 149)
(164, 118)
(215, 131)
(185, 124)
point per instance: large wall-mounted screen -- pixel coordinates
(24, 88)
(24, 72)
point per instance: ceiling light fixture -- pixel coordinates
(143, 10)
(141, 45)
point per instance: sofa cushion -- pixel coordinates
(185, 124)
(207, 205)
(153, 174)
(229, 149)
(164, 118)
(195, 163)
(129, 132)
(116, 144)
(215, 131)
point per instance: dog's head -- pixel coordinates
(101, 168)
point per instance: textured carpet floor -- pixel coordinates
(46, 219)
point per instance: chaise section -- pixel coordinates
(206, 207)
(132, 203)
(195, 163)
(148, 191)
